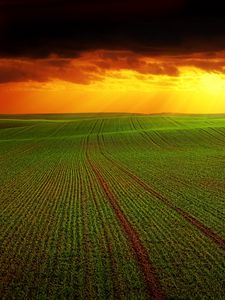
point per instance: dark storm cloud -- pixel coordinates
(98, 65)
(39, 28)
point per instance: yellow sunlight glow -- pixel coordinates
(192, 91)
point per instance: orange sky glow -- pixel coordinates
(114, 81)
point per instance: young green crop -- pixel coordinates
(117, 206)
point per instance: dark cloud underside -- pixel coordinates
(39, 28)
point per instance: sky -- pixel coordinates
(112, 56)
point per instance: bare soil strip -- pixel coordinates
(141, 254)
(208, 232)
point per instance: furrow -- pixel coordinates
(141, 254)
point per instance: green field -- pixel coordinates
(112, 206)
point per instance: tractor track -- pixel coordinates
(140, 252)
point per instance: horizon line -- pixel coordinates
(111, 112)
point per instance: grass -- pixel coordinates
(117, 206)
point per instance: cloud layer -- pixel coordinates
(39, 28)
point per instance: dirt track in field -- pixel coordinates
(141, 254)
(208, 232)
